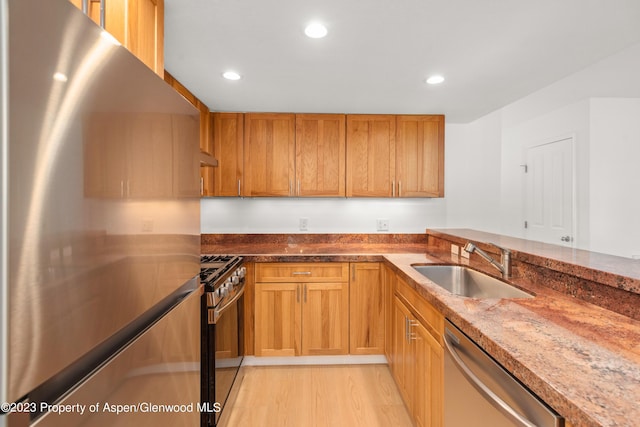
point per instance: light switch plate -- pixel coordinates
(304, 224)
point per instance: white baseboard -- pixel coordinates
(315, 360)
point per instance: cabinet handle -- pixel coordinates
(399, 188)
(201, 186)
(85, 7)
(102, 15)
(298, 187)
(301, 273)
(413, 336)
(238, 188)
(297, 293)
(406, 328)
(122, 188)
(305, 293)
(290, 188)
(393, 188)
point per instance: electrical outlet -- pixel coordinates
(455, 249)
(304, 224)
(382, 224)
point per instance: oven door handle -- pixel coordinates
(220, 311)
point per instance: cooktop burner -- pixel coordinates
(214, 267)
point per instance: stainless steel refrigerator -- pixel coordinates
(100, 229)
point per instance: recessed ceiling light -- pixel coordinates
(315, 30)
(435, 80)
(231, 75)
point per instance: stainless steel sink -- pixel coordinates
(463, 281)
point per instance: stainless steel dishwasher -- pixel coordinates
(478, 392)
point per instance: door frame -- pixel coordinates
(574, 188)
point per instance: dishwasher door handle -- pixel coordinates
(449, 342)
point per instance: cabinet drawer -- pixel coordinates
(427, 313)
(302, 272)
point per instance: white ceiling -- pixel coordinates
(379, 52)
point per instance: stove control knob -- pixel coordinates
(242, 271)
(235, 280)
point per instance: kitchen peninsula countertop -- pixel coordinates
(582, 359)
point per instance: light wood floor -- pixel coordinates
(301, 396)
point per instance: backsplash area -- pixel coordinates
(336, 215)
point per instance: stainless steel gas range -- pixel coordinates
(223, 277)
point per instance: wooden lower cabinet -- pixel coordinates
(305, 317)
(277, 319)
(388, 279)
(417, 365)
(325, 318)
(366, 312)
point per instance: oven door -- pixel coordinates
(226, 351)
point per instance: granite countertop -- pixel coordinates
(582, 359)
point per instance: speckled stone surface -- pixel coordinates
(616, 289)
(614, 271)
(582, 359)
(313, 247)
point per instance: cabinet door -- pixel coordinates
(269, 154)
(366, 315)
(325, 318)
(371, 155)
(428, 371)
(277, 319)
(388, 281)
(401, 364)
(145, 32)
(228, 137)
(420, 156)
(323, 272)
(320, 155)
(137, 24)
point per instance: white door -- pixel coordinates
(549, 198)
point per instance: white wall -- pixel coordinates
(472, 173)
(614, 176)
(569, 121)
(281, 215)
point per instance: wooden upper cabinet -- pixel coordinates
(228, 138)
(320, 155)
(137, 24)
(370, 155)
(420, 156)
(269, 154)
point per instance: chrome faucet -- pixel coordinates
(505, 258)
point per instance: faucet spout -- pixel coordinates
(504, 266)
